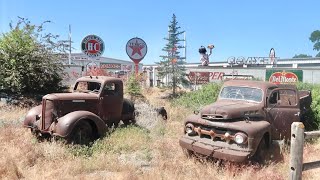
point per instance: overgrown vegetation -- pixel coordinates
(29, 60)
(195, 100)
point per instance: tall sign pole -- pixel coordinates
(136, 49)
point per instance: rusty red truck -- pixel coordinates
(95, 104)
(245, 119)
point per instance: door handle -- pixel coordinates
(297, 114)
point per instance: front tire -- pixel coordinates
(260, 154)
(81, 134)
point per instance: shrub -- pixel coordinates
(29, 60)
(313, 116)
(197, 99)
(133, 87)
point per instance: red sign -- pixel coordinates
(283, 78)
(136, 49)
(92, 46)
(204, 77)
(199, 77)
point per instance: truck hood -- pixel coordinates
(221, 110)
(71, 96)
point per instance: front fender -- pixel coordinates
(64, 125)
(30, 119)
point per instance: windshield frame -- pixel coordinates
(262, 97)
(87, 91)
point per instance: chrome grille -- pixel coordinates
(212, 116)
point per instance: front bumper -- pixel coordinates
(218, 151)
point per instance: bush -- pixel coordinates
(29, 60)
(313, 116)
(197, 99)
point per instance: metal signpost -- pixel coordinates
(136, 49)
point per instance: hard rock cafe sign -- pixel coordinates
(284, 77)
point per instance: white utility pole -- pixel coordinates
(185, 47)
(69, 44)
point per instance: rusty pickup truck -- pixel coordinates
(245, 119)
(95, 104)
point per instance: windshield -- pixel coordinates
(84, 86)
(241, 93)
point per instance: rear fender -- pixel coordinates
(64, 125)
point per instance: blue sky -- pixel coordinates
(236, 28)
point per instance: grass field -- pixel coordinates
(149, 150)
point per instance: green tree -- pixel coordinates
(133, 86)
(29, 60)
(315, 38)
(302, 56)
(172, 64)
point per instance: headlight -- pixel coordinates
(240, 138)
(189, 128)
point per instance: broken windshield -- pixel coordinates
(84, 86)
(241, 93)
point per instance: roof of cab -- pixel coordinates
(250, 83)
(99, 79)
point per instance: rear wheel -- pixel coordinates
(81, 134)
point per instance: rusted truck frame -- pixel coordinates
(95, 104)
(244, 121)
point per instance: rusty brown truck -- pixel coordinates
(95, 104)
(245, 119)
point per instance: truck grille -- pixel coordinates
(47, 108)
(215, 134)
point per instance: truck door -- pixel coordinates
(111, 102)
(282, 110)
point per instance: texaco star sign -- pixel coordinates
(136, 49)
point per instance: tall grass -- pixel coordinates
(133, 152)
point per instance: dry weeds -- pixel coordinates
(147, 151)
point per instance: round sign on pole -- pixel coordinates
(136, 49)
(92, 46)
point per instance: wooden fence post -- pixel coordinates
(296, 151)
